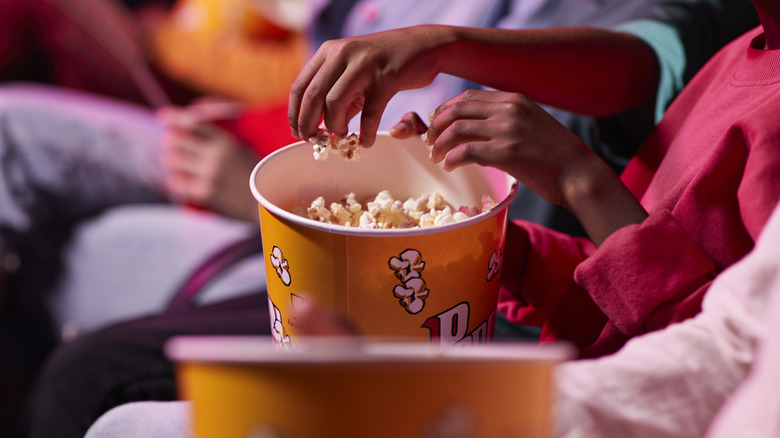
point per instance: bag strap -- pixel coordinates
(212, 268)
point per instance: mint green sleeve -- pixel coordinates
(669, 48)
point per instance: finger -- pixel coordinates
(466, 153)
(410, 124)
(312, 319)
(461, 121)
(182, 158)
(458, 132)
(345, 99)
(494, 153)
(370, 118)
(311, 105)
(208, 131)
(216, 110)
(175, 118)
(354, 108)
(182, 143)
(181, 122)
(468, 95)
(298, 89)
(464, 105)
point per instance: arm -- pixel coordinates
(362, 73)
(626, 266)
(672, 382)
(510, 132)
(585, 70)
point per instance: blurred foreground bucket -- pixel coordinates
(439, 283)
(244, 387)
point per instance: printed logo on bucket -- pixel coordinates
(449, 327)
(494, 265)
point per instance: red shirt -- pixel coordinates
(263, 128)
(709, 176)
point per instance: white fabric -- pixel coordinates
(144, 420)
(671, 383)
(754, 410)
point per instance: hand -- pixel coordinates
(314, 319)
(206, 165)
(362, 73)
(410, 125)
(511, 133)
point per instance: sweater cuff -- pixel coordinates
(641, 267)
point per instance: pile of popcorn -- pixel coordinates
(386, 212)
(326, 141)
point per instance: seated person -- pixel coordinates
(689, 204)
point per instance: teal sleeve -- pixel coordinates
(665, 41)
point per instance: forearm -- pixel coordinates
(585, 70)
(594, 194)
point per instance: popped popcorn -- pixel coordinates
(385, 212)
(325, 141)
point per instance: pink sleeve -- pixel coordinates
(537, 283)
(758, 192)
(636, 279)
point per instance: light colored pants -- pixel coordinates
(73, 162)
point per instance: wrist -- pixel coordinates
(441, 41)
(585, 183)
(599, 200)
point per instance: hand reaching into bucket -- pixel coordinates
(362, 73)
(357, 74)
(410, 125)
(510, 132)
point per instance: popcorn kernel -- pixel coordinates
(385, 212)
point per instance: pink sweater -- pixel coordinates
(709, 176)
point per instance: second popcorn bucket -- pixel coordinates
(436, 283)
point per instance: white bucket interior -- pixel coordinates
(292, 177)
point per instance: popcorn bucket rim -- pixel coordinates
(355, 231)
(251, 349)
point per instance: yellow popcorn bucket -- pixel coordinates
(244, 387)
(437, 283)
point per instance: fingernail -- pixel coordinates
(431, 115)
